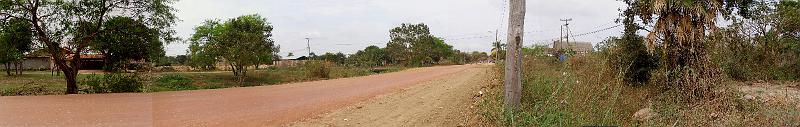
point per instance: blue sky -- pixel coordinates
(350, 25)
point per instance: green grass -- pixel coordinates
(43, 83)
(584, 92)
(573, 93)
(32, 81)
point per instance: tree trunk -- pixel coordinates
(233, 68)
(18, 65)
(8, 69)
(513, 67)
(72, 84)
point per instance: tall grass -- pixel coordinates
(586, 91)
(579, 92)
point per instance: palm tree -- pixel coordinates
(498, 50)
(679, 29)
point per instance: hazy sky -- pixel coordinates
(350, 25)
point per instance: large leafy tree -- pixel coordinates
(402, 40)
(413, 44)
(679, 32)
(16, 39)
(127, 39)
(66, 28)
(240, 42)
(371, 56)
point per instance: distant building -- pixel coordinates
(33, 63)
(88, 62)
(578, 47)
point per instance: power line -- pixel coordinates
(580, 35)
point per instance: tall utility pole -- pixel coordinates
(516, 28)
(566, 24)
(308, 43)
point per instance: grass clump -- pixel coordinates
(29, 89)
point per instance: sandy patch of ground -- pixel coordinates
(447, 101)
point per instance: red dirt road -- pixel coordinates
(237, 107)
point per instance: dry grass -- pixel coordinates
(584, 92)
(580, 92)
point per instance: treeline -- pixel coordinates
(245, 42)
(764, 46)
(410, 45)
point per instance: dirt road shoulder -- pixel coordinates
(446, 101)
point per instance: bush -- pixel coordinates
(317, 69)
(112, 83)
(175, 82)
(629, 57)
(29, 89)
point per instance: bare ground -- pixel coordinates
(773, 93)
(245, 107)
(447, 101)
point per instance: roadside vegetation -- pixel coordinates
(743, 74)
(225, 54)
(235, 52)
(43, 83)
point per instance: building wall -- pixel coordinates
(581, 47)
(33, 64)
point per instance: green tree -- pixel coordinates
(403, 38)
(16, 39)
(127, 39)
(413, 44)
(338, 58)
(629, 55)
(67, 27)
(762, 46)
(498, 51)
(371, 56)
(240, 42)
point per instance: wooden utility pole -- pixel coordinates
(513, 69)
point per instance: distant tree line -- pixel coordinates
(410, 45)
(230, 42)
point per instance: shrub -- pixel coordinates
(29, 89)
(113, 83)
(317, 69)
(629, 57)
(175, 82)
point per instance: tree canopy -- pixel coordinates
(65, 28)
(413, 44)
(127, 39)
(240, 42)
